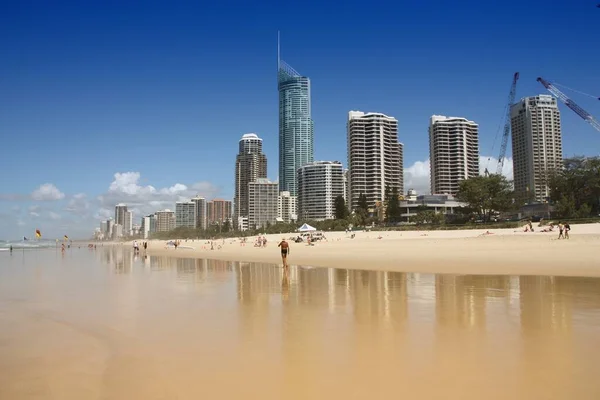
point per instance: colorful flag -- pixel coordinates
(38, 234)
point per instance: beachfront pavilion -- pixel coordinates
(439, 203)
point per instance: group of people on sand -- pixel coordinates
(563, 229)
(136, 246)
(261, 241)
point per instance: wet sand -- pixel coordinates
(106, 325)
(503, 252)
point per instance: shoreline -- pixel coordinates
(473, 252)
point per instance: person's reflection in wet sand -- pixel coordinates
(285, 284)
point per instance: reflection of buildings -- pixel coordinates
(460, 301)
(542, 304)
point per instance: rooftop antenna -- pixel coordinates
(278, 50)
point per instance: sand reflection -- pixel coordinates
(109, 324)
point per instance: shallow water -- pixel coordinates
(105, 325)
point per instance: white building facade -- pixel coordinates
(536, 145)
(319, 183)
(375, 157)
(200, 203)
(165, 220)
(287, 207)
(185, 214)
(263, 202)
(453, 152)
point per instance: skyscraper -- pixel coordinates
(536, 145)
(250, 164)
(295, 125)
(319, 183)
(200, 203)
(287, 208)
(185, 214)
(128, 223)
(263, 203)
(120, 210)
(165, 220)
(453, 152)
(375, 157)
(218, 211)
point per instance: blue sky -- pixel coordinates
(161, 92)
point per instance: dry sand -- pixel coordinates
(503, 252)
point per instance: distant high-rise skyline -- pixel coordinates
(536, 145)
(296, 136)
(375, 157)
(250, 164)
(453, 152)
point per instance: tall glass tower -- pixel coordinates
(295, 125)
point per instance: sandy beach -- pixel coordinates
(501, 252)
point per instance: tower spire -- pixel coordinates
(278, 50)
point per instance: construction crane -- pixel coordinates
(570, 103)
(506, 134)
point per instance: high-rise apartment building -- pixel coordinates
(263, 202)
(536, 145)
(319, 183)
(120, 211)
(346, 187)
(287, 208)
(218, 211)
(109, 227)
(200, 203)
(250, 164)
(165, 220)
(128, 223)
(146, 225)
(295, 125)
(185, 214)
(375, 157)
(453, 152)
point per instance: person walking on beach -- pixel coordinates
(285, 250)
(560, 230)
(566, 228)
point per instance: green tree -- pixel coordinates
(428, 217)
(226, 227)
(392, 211)
(486, 194)
(341, 211)
(575, 190)
(362, 210)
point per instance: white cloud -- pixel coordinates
(47, 192)
(54, 215)
(417, 175)
(142, 200)
(78, 204)
(34, 214)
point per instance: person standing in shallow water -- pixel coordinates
(285, 250)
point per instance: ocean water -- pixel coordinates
(27, 244)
